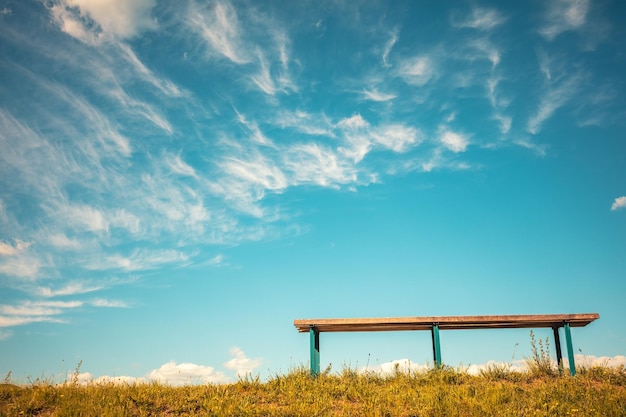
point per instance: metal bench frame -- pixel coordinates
(554, 321)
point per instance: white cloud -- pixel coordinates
(487, 50)
(180, 374)
(481, 19)
(62, 241)
(417, 70)
(453, 141)
(282, 83)
(477, 369)
(216, 260)
(406, 366)
(564, 15)
(71, 288)
(257, 135)
(91, 21)
(386, 369)
(185, 373)
(505, 122)
(21, 266)
(34, 312)
(544, 63)
(139, 260)
(619, 203)
(313, 163)
(554, 98)
(85, 217)
(219, 27)
(263, 79)
(105, 140)
(5, 334)
(257, 170)
(354, 122)
(103, 302)
(241, 364)
(388, 46)
(375, 95)
(86, 378)
(176, 164)
(397, 137)
(310, 124)
(4, 216)
(6, 249)
(166, 86)
(591, 361)
(10, 321)
(528, 144)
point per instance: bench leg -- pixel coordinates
(315, 351)
(557, 346)
(570, 350)
(436, 346)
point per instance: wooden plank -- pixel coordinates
(444, 322)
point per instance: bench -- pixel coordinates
(554, 321)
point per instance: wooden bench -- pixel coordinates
(554, 321)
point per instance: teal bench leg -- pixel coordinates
(570, 350)
(315, 351)
(436, 346)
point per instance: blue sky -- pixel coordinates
(179, 181)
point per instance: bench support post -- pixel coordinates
(436, 346)
(557, 346)
(570, 350)
(315, 350)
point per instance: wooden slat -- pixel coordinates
(444, 322)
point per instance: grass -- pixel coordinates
(438, 392)
(540, 390)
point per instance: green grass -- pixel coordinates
(444, 392)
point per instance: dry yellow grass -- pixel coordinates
(445, 392)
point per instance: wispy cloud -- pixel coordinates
(417, 70)
(34, 312)
(257, 135)
(556, 95)
(564, 15)
(453, 141)
(176, 164)
(525, 142)
(219, 27)
(70, 288)
(103, 302)
(311, 163)
(619, 203)
(486, 50)
(544, 63)
(393, 38)
(397, 137)
(139, 260)
(93, 22)
(22, 266)
(7, 249)
(166, 86)
(375, 95)
(480, 18)
(304, 122)
(54, 311)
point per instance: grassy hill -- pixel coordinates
(442, 392)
